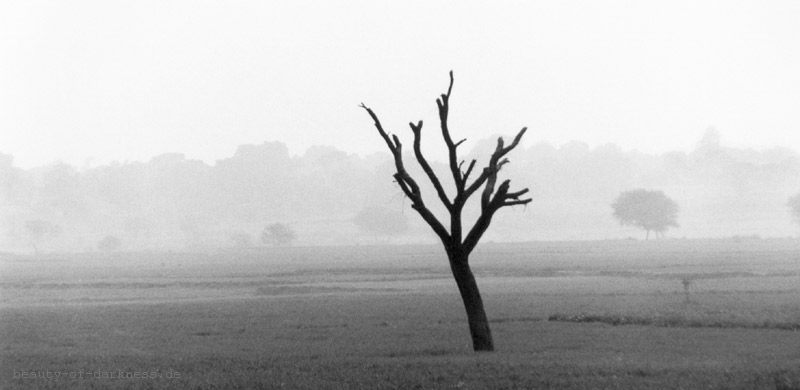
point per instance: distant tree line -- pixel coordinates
(175, 202)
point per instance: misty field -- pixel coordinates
(718, 314)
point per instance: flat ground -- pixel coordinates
(720, 314)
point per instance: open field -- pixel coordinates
(719, 314)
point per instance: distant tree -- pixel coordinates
(38, 230)
(279, 234)
(794, 207)
(458, 242)
(381, 221)
(242, 240)
(649, 210)
(687, 283)
(109, 244)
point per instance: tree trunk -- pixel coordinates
(492, 198)
(476, 316)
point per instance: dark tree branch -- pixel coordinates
(443, 103)
(403, 186)
(405, 181)
(431, 219)
(491, 175)
(516, 195)
(516, 202)
(417, 130)
(494, 163)
(477, 231)
(476, 184)
(469, 170)
(450, 88)
(492, 199)
(378, 126)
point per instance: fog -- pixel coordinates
(174, 203)
(90, 83)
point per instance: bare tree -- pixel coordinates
(493, 197)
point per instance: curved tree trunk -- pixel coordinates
(493, 197)
(476, 315)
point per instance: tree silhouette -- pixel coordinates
(649, 210)
(493, 197)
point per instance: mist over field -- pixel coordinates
(174, 203)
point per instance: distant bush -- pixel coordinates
(279, 234)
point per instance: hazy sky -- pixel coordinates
(127, 80)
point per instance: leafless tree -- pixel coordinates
(493, 198)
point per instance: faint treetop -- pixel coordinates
(278, 234)
(381, 221)
(649, 210)
(794, 207)
(711, 139)
(38, 230)
(109, 244)
(710, 145)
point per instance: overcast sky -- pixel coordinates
(88, 82)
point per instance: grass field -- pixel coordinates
(673, 314)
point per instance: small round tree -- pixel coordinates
(649, 210)
(279, 234)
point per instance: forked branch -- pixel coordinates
(417, 130)
(443, 103)
(492, 199)
(405, 181)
